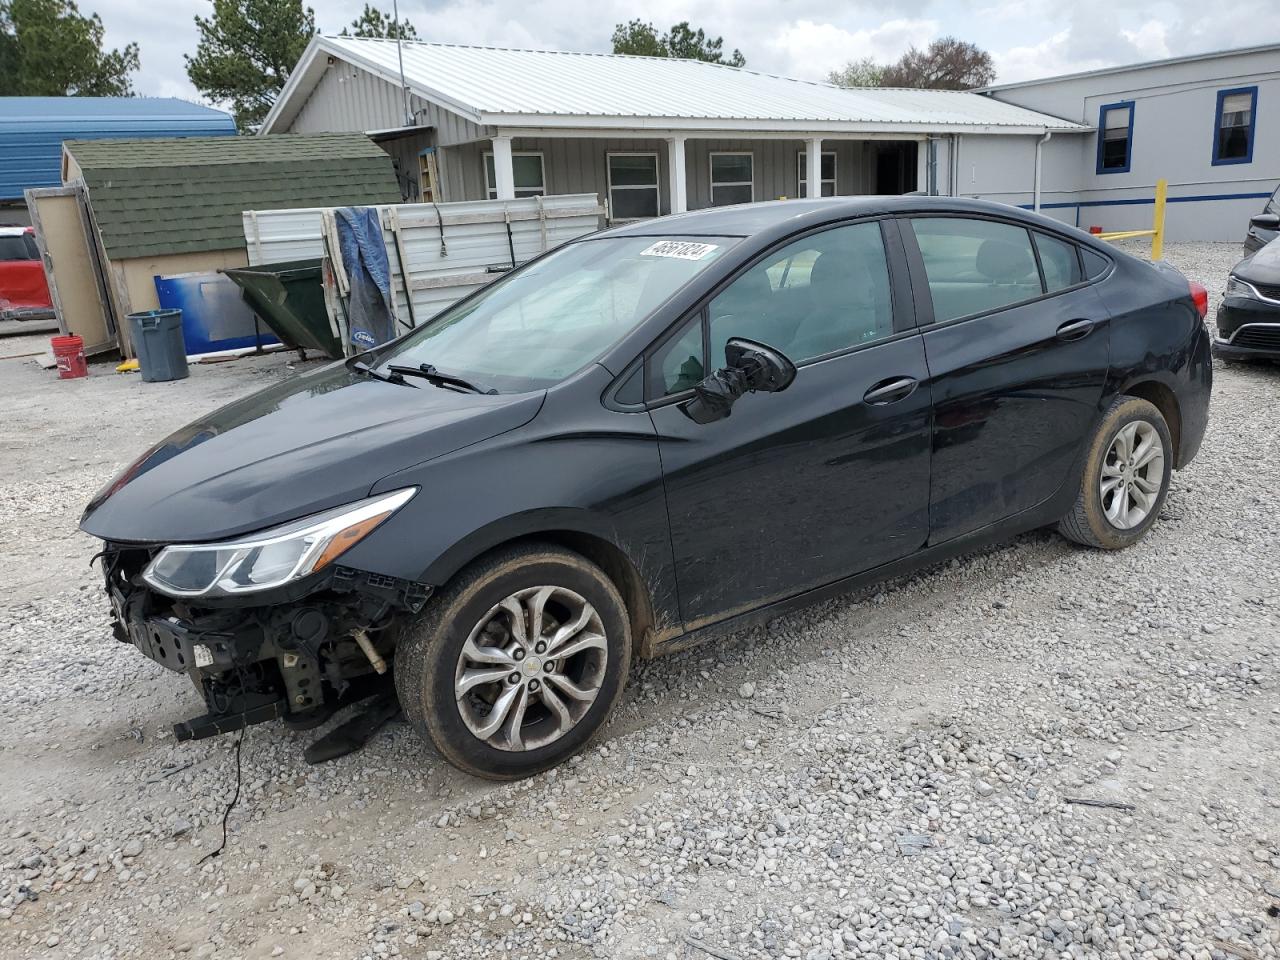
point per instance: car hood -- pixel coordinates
(310, 443)
(1262, 267)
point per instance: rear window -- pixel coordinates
(20, 247)
(975, 265)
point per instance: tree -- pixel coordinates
(374, 23)
(857, 73)
(48, 49)
(946, 64)
(642, 39)
(247, 50)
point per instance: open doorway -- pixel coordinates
(895, 167)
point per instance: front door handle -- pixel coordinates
(891, 390)
(1074, 329)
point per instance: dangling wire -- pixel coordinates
(230, 806)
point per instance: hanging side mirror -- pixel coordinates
(751, 366)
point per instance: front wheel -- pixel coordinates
(517, 663)
(1126, 477)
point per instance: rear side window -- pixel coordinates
(21, 247)
(1095, 264)
(974, 266)
(1059, 261)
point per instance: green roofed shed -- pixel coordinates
(156, 197)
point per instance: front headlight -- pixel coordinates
(273, 557)
(1238, 288)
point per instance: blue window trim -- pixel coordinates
(1217, 124)
(1128, 145)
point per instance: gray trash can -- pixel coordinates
(157, 340)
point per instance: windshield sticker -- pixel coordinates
(680, 250)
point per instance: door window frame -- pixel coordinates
(656, 187)
(922, 295)
(900, 294)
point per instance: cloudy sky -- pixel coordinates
(799, 38)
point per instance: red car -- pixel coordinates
(24, 293)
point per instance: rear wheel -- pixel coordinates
(517, 663)
(1126, 477)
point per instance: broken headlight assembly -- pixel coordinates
(270, 558)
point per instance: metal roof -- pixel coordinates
(1130, 67)
(32, 130)
(502, 87)
(162, 196)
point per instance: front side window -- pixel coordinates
(527, 169)
(821, 294)
(732, 179)
(18, 247)
(1233, 136)
(1115, 137)
(680, 362)
(828, 174)
(549, 319)
(974, 266)
(633, 186)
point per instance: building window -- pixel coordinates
(731, 179)
(633, 186)
(828, 174)
(1115, 137)
(1233, 127)
(527, 168)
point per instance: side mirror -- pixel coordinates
(1265, 221)
(751, 366)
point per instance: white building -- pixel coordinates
(1208, 124)
(648, 135)
(652, 136)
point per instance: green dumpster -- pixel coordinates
(289, 297)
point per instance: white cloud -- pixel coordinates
(802, 38)
(810, 50)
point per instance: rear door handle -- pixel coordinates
(891, 390)
(1074, 329)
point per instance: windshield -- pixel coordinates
(548, 320)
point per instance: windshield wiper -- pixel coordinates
(435, 377)
(359, 366)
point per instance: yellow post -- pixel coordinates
(1157, 232)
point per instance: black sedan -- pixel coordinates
(1265, 227)
(1249, 316)
(643, 439)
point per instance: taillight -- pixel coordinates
(1200, 297)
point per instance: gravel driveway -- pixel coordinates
(1034, 751)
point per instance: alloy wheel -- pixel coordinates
(1132, 475)
(531, 668)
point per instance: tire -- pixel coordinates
(469, 631)
(1099, 519)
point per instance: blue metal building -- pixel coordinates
(32, 130)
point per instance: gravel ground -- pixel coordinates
(891, 774)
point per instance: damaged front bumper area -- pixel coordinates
(297, 653)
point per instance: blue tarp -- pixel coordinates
(371, 311)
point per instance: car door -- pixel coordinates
(827, 478)
(1017, 343)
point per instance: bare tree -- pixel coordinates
(946, 64)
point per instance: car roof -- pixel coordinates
(13, 231)
(783, 216)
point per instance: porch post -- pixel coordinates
(813, 167)
(504, 177)
(676, 174)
